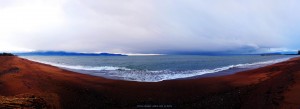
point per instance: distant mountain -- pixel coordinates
(63, 53)
(269, 54)
(6, 54)
(281, 53)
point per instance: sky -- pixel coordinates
(150, 26)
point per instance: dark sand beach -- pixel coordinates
(27, 84)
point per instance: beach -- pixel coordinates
(29, 84)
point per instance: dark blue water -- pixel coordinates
(156, 68)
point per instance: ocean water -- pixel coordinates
(157, 68)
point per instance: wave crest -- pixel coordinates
(153, 76)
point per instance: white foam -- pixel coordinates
(79, 67)
(154, 76)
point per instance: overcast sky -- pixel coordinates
(149, 26)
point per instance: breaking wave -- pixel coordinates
(152, 76)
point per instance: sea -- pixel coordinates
(158, 68)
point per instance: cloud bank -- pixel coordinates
(149, 26)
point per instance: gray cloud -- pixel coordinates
(150, 26)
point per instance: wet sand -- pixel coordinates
(24, 83)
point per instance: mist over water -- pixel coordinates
(156, 68)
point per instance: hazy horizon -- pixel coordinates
(149, 27)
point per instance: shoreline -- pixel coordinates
(213, 72)
(274, 86)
